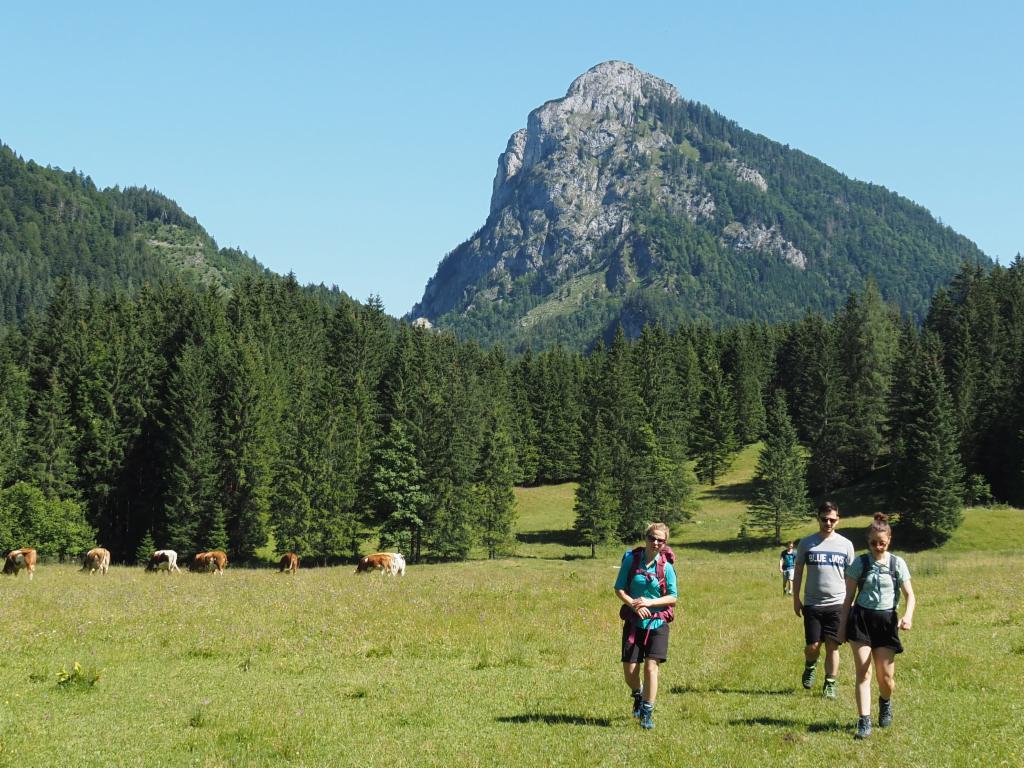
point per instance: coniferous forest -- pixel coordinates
(199, 419)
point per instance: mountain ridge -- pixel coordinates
(57, 225)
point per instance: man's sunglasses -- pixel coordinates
(829, 520)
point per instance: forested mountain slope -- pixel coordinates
(57, 225)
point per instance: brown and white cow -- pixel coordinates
(21, 559)
(163, 560)
(215, 561)
(96, 559)
(385, 562)
(289, 562)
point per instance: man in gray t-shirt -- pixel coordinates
(823, 558)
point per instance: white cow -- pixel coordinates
(163, 560)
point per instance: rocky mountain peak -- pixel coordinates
(612, 86)
(598, 107)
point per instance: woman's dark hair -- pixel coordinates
(880, 525)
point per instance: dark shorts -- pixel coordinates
(877, 629)
(647, 644)
(821, 624)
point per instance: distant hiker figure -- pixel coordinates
(646, 585)
(823, 557)
(871, 624)
(787, 565)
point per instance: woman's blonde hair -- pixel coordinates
(660, 527)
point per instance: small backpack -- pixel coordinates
(637, 566)
(865, 567)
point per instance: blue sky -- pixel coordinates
(356, 146)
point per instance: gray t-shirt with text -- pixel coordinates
(825, 562)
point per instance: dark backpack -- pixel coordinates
(637, 566)
(865, 567)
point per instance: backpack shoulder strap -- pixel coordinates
(636, 563)
(894, 575)
(865, 566)
(659, 572)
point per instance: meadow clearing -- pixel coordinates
(513, 662)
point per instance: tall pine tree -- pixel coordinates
(780, 479)
(930, 474)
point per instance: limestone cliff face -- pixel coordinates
(622, 185)
(562, 185)
(566, 187)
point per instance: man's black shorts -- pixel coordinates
(877, 629)
(647, 644)
(821, 624)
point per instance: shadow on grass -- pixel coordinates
(565, 536)
(527, 556)
(829, 728)
(785, 722)
(723, 689)
(730, 546)
(777, 722)
(600, 722)
(734, 492)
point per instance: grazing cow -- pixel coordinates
(21, 559)
(215, 561)
(289, 562)
(96, 559)
(385, 562)
(163, 560)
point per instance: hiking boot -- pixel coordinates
(828, 690)
(647, 716)
(808, 676)
(863, 727)
(638, 702)
(884, 712)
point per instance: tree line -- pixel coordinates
(200, 420)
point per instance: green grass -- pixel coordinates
(569, 298)
(501, 663)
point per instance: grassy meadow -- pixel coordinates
(512, 662)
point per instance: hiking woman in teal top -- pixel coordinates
(871, 624)
(646, 585)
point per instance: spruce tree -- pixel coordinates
(496, 517)
(930, 475)
(396, 493)
(780, 479)
(867, 344)
(596, 504)
(747, 376)
(14, 400)
(193, 472)
(246, 442)
(145, 549)
(654, 488)
(715, 441)
(52, 442)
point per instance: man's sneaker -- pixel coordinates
(884, 712)
(647, 716)
(863, 727)
(808, 677)
(638, 702)
(828, 690)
